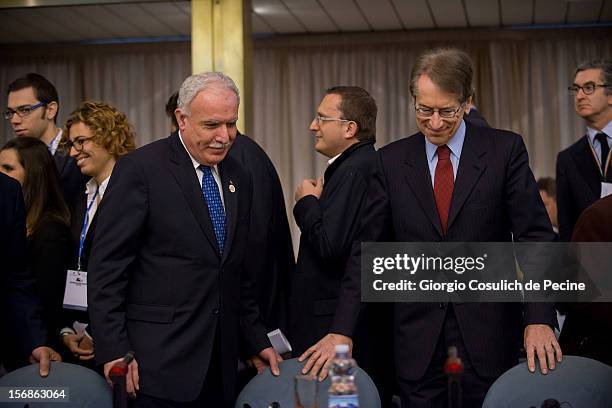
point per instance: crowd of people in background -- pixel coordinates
(185, 243)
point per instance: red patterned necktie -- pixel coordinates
(443, 185)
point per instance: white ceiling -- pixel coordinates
(88, 20)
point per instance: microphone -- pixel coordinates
(453, 368)
(117, 375)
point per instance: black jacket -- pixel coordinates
(328, 226)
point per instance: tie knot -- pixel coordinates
(443, 152)
(205, 169)
(601, 138)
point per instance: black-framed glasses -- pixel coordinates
(587, 88)
(77, 143)
(320, 119)
(446, 113)
(22, 111)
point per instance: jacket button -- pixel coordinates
(215, 311)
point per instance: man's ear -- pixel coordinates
(51, 110)
(351, 130)
(468, 105)
(180, 118)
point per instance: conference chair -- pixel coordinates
(265, 389)
(83, 387)
(575, 382)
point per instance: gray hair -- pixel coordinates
(606, 71)
(197, 83)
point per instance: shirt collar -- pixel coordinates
(194, 162)
(55, 142)
(333, 159)
(92, 186)
(455, 144)
(591, 133)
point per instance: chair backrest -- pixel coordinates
(265, 388)
(577, 381)
(85, 387)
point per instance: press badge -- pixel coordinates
(606, 189)
(75, 294)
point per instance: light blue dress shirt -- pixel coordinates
(591, 133)
(455, 144)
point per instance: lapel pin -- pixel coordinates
(232, 189)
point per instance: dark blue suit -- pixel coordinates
(495, 198)
(22, 320)
(157, 283)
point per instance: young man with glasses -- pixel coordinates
(327, 211)
(453, 182)
(32, 108)
(584, 172)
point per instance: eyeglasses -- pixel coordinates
(320, 119)
(587, 88)
(447, 113)
(22, 111)
(77, 143)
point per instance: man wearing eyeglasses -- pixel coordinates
(584, 172)
(453, 182)
(32, 109)
(327, 211)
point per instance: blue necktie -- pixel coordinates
(215, 205)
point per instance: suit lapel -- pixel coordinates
(60, 161)
(588, 166)
(230, 198)
(419, 179)
(471, 168)
(183, 172)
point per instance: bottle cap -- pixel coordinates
(342, 348)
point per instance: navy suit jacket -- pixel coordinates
(71, 178)
(495, 198)
(157, 282)
(22, 319)
(578, 184)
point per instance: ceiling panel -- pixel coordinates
(69, 17)
(259, 26)
(516, 12)
(312, 16)
(17, 30)
(278, 16)
(136, 19)
(380, 14)
(482, 13)
(584, 11)
(346, 15)
(448, 13)
(414, 14)
(41, 25)
(169, 16)
(549, 11)
(108, 18)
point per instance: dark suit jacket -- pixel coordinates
(48, 258)
(157, 283)
(588, 325)
(71, 178)
(495, 198)
(578, 184)
(475, 118)
(270, 255)
(20, 318)
(328, 227)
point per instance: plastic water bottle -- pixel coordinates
(343, 390)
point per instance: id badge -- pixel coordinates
(606, 189)
(75, 294)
